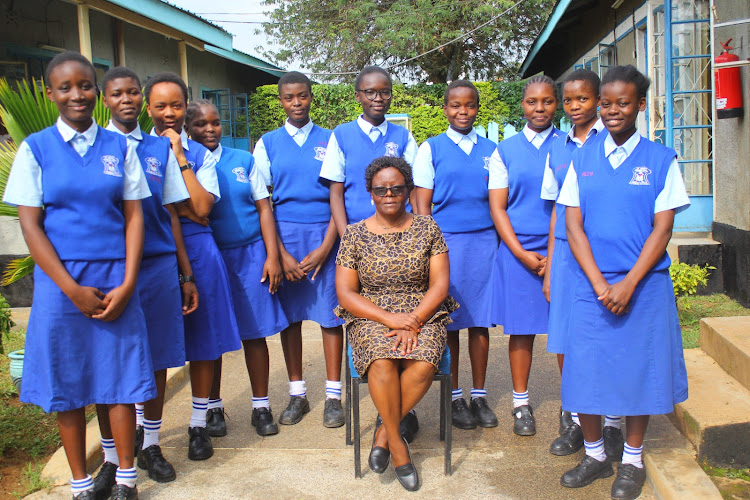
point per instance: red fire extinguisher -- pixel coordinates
(728, 85)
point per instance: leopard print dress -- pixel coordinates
(393, 273)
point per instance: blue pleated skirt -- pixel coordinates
(259, 314)
(211, 330)
(624, 365)
(72, 361)
(563, 271)
(472, 258)
(161, 301)
(306, 299)
(518, 303)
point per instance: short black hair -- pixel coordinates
(168, 77)
(119, 72)
(459, 83)
(585, 75)
(295, 77)
(192, 110)
(384, 162)
(68, 56)
(367, 70)
(628, 74)
(539, 79)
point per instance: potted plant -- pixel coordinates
(16, 357)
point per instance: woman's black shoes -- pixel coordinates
(407, 473)
(122, 492)
(585, 473)
(200, 447)
(568, 442)
(485, 417)
(104, 481)
(524, 423)
(629, 482)
(297, 408)
(462, 416)
(333, 414)
(216, 424)
(157, 466)
(614, 443)
(379, 456)
(262, 420)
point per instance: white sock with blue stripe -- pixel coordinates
(110, 452)
(574, 416)
(78, 486)
(151, 430)
(297, 388)
(457, 394)
(612, 421)
(479, 393)
(139, 413)
(520, 398)
(126, 476)
(215, 403)
(333, 389)
(261, 403)
(200, 408)
(632, 455)
(596, 449)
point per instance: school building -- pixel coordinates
(148, 36)
(675, 43)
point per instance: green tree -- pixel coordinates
(336, 36)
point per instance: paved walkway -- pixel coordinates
(309, 461)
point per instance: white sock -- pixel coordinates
(110, 452)
(333, 389)
(297, 388)
(200, 408)
(126, 476)
(478, 393)
(457, 394)
(78, 486)
(151, 430)
(261, 403)
(633, 456)
(574, 416)
(520, 398)
(610, 421)
(215, 403)
(139, 413)
(595, 450)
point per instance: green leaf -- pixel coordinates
(17, 269)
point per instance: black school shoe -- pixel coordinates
(614, 443)
(462, 416)
(262, 420)
(524, 423)
(379, 456)
(485, 417)
(409, 426)
(585, 473)
(216, 425)
(407, 474)
(200, 447)
(86, 495)
(138, 439)
(158, 468)
(566, 419)
(122, 492)
(629, 482)
(333, 414)
(569, 442)
(298, 407)
(103, 482)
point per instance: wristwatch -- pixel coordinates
(186, 279)
(184, 167)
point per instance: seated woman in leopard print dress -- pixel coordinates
(392, 277)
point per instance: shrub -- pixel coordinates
(5, 322)
(687, 278)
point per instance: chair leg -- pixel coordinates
(442, 408)
(348, 406)
(447, 425)
(355, 408)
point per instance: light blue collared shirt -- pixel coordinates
(498, 170)
(207, 174)
(424, 169)
(263, 163)
(257, 183)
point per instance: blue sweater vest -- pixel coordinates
(528, 213)
(234, 218)
(299, 194)
(153, 152)
(560, 154)
(82, 196)
(617, 205)
(460, 195)
(195, 157)
(359, 151)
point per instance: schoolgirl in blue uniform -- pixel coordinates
(451, 172)
(212, 329)
(244, 230)
(522, 220)
(624, 353)
(580, 102)
(289, 158)
(78, 189)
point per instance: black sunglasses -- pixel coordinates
(381, 191)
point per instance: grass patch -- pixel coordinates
(743, 474)
(691, 308)
(33, 479)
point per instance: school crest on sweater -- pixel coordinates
(640, 176)
(152, 166)
(391, 149)
(241, 174)
(486, 160)
(110, 165)
(320, 153)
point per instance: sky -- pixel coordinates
(250, 12)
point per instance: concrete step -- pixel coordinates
(700, 249)
(674, 475)
(716, 416)
(727, 340)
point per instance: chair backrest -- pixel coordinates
(444, 367)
